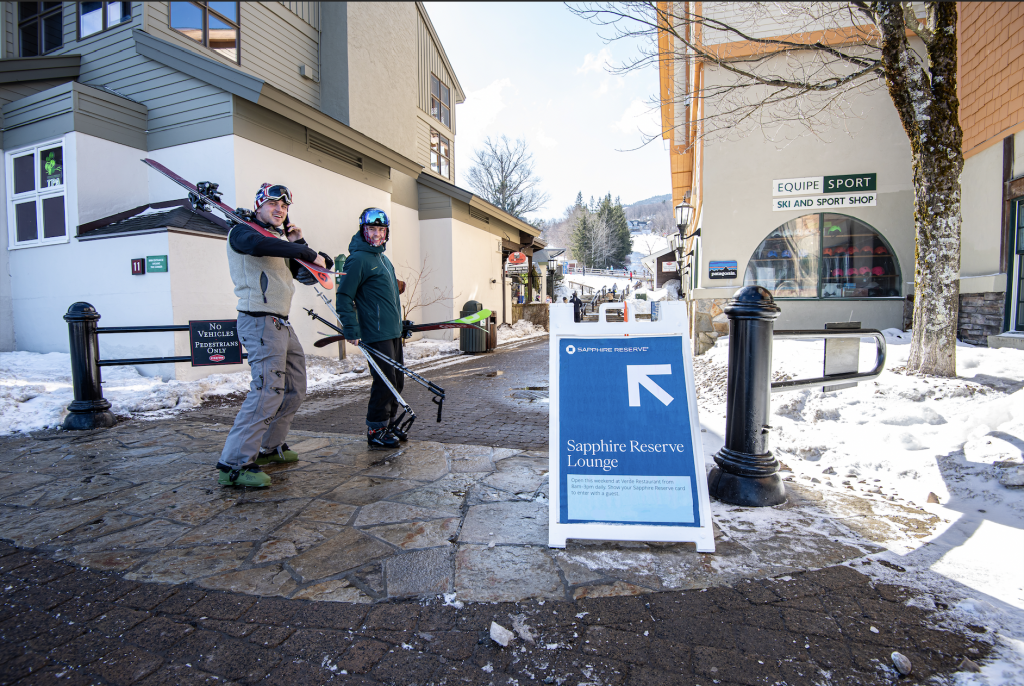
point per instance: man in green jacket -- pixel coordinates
(371, 312)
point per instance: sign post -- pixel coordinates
(626, 460)
(214, 342)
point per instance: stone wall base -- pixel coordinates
(709, 323)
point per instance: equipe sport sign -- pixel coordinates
(214, 342)
(626, 460)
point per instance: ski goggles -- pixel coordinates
(374, 217)
(272, 192)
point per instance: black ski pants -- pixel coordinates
(384, 406)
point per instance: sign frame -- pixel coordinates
(193, 327)
(669, 321)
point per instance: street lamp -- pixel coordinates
(684, 215)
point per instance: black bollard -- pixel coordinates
(89, 409)
(746, 471)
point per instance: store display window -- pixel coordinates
(825, 256)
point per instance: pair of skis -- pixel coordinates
(409, 328)
(369, 353)
(205, 197)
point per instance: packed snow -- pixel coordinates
(519, 331)
(937, 461)
(35, 389)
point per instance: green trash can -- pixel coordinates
(472, 340)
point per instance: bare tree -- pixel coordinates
(778, 85)
(503, 174)
(417, 294)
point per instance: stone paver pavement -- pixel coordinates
(347, 524)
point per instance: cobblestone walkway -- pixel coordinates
(63, 625)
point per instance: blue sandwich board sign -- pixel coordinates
(625, 450)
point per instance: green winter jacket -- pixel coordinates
(368, 295)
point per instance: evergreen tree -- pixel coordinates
(620, 243)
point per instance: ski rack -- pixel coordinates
(439, 393)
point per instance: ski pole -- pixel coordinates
(438, 392)
(406, 408)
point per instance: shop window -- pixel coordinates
(40, 28)
(94, 17)
(37, 211)
(440, 101)
(825, 256)
(440, 154)
(213, 24)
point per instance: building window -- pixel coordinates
(213, 24)
(440, 101)
(825, 256)
(40, 28)
(94, 17)
(440, 154)
(36, 211)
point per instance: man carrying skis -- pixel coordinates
(371, 312)
(262, 269)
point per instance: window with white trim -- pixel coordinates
(37, 195)
(440, 154)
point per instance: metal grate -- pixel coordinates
(327, 146)
(477, 214)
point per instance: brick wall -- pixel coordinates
(990, 79)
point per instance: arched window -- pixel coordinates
(825, 255)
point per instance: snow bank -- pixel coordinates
(519, 331)
(35, 389)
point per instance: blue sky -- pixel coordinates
(536, 71)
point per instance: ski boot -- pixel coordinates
(247, 475)
(397, 432)
(280, 454)
(381, 439)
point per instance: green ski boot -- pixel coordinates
(248, 475)
(280, 454)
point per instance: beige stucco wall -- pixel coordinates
(436, 242)
(737, 210)
(382, 73)
(477, 259)
(981, 184)
(327, 208)
(201, 288)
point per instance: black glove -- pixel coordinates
(327, 260)
(305, 277)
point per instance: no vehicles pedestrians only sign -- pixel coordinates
(626, 457)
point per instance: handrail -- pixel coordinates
(141, 329)
(800, 384)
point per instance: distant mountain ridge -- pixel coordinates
(652, 200)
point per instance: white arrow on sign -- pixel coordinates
(638, 375)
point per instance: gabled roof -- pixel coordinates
(182, 218)
(453, 191)
(460, 95)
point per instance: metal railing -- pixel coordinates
(89, 409)
(828, 379)
(745, 471)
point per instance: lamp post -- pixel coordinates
(684, 215)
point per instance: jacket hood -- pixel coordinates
(358, 243)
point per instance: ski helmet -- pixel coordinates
(271, 192)
(372, 216)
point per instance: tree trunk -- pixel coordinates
(929, 110)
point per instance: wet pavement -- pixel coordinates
(128, 564)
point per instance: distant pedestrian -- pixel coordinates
(577, 308)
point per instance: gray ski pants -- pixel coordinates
(278, 388)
